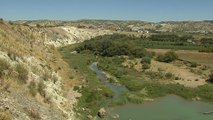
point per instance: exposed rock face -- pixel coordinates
(102, 113)
(54, 99)
(71, 35)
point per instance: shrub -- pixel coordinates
(146, 60)
(22, 73)
(145, 66)
(210, 78)
(177, 78)
(119, 72)
(107, 92)
(4, 65)
(193, 64)
(32, 88)
(76, 88)
(169, 75)
(167, 57)
(41, 87)
(154, 75)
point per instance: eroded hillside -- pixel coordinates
(35, 83)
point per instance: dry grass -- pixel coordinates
(4, 116)
(188, 78)
(191, 55)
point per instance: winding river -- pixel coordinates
(170, 107)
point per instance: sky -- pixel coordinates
(145, 10)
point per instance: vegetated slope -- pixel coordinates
(35, 83)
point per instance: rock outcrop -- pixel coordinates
(102, 113)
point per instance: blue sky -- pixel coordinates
(146, 10)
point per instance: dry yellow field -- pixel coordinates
(191, 55)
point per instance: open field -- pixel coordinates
(190, 55)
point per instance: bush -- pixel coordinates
(210, 78)
(22, 73)
(4, 65)
(145, 66)
(193, 64)
(167, 57)
(169, 75)
(32, 88)
(146, 60)
(41, 87)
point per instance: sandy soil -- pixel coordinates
(188, 78)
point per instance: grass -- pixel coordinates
(94, 95)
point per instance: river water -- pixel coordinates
(170, 107)
(115, 88)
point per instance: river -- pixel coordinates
(170, 107)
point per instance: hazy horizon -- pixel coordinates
(142, 10)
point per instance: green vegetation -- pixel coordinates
(111, 45)
(111, 51)
(171, 38)
(146, 60)
(206, 41)
(94, 95)
(167, 57)
(206, 49)
(193, 64)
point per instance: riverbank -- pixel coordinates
(141, 84)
